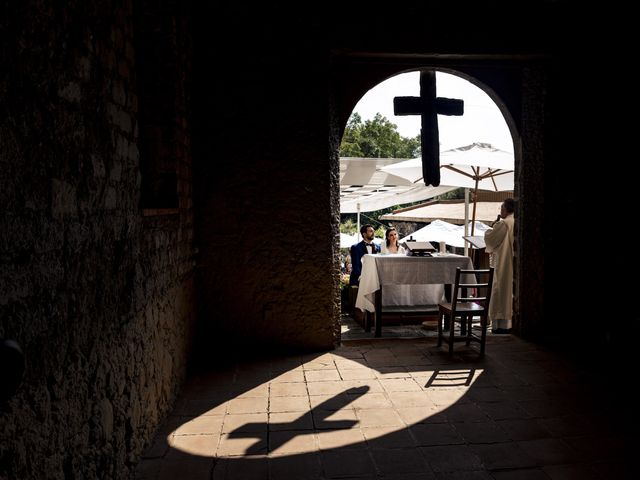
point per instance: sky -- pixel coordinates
(482, 120)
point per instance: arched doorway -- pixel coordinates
(369, 115)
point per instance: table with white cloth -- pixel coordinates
(406, 281)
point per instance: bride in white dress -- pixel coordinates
(390, 245)
(407, 294)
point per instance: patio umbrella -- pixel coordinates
(441, 231)
(478, 166)
(347, 240)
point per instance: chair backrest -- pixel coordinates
(473, 286)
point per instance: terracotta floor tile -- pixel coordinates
(289, 404)
(248, 405)
(451, 458)
(358, 374)
(286, 443)
(346, 463)
(245, 445)
(321, 375)
(398, 409)
(245, 422)
(378, 418)
(199, 425)
(290, 421)
(294, 389)
(410, 399)
(397, 460)
(340, 419)
(290, 376)
(389, 437)
(372, 400)
(342, 438)
(197, 445)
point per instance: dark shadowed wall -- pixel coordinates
(98, 292)
(266, 184)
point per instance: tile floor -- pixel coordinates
(399, 408)
(352, 330)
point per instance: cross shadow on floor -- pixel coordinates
(299, 425)
(397, 409)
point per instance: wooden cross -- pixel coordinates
(428, 106)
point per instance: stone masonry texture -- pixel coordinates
(99, 296)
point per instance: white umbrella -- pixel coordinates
(441, 231)
(463, 167)
(347, 240)
(478, 166)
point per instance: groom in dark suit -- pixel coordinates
(358, 250)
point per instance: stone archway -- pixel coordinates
(504, 82)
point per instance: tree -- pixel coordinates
(456, 194)
(350, 146)
(377, 138)
(349, 226)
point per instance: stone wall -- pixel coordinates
(99, 295)
(266, 185)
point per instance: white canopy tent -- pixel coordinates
(452, 211)
(364, 187)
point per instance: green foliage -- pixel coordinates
(350, 146)
(349, 226)
(456, 194)
(377, 138)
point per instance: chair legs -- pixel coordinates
(483, 334)
(452, 332)
(443, 321)
(467, 333)
(466, 323)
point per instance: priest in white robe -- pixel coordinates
(499, 240)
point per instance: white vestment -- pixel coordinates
(499, 240)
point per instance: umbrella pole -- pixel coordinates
(473, 218)
(466, 220)
(475, 201)
(358, 220)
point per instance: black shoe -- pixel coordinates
(501, 331)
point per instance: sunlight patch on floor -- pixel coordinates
(335, 400)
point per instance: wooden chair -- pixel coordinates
(469, 301)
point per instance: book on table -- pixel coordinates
(418, 249)
(475, 240)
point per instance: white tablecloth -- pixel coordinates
(407, 280)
